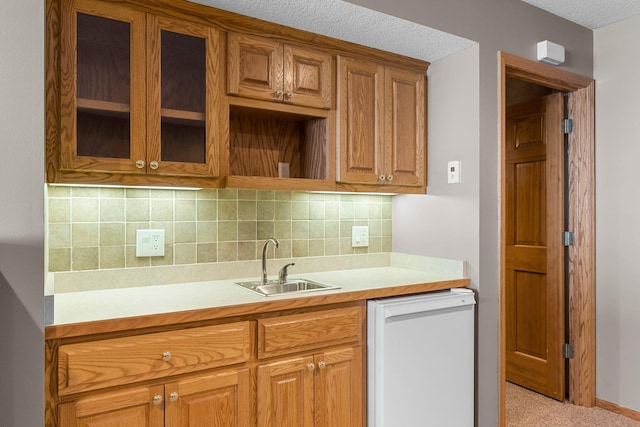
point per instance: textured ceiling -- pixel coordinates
(346, 21)
(590, 13)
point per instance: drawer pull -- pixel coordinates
(173, 396)
(166, 356)
(157, 399)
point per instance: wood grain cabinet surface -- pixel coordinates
(316, 390)
(212, 400)
(182, 94)
(382, 124)
(308, 370)
(140, 94)
(266, 69)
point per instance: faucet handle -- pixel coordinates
(282, 274)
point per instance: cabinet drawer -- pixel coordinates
(104, 363)
(300, 332)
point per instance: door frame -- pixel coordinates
(582, 367)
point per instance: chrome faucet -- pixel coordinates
(282, 274)
(264, 258)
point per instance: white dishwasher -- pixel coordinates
(420, 360)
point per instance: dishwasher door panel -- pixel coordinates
(421, 360)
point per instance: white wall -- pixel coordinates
(446, 222)
(21, 212)
(616, 69)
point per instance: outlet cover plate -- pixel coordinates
(359, 236)
(149, 243)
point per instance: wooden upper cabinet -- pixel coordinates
(185, 90)
(405, 127)
(140, 94)
(360, 121)
(102, 79)
(265, 69)
(381, 124)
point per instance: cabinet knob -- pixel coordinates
(389, 178)
(322, 365)
(311, 366)
(157, 399)
(166, 356)
(153, 165)
(289, 94)
(381, 178)
(139, 164)
(278, 93)
(173, 396)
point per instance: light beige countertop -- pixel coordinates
(111, 309)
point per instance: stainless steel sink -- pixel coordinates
(274, 287)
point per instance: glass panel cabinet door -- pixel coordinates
(183, 135)
(102, 83)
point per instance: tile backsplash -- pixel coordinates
(95, 228)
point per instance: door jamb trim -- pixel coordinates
(581, 296)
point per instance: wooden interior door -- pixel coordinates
(534, 276)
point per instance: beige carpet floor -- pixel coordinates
(525, 408)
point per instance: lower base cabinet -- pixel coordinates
(284, 369)
(212, 400)
(318, 390)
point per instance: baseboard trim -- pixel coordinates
(629, 413)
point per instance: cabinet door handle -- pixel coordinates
(153, 165)
(311, 366)
(389, 178)
(381, 177)
(173, 396)
(157, 399)
(289, 94)
(166, 356)
(139, 164)
(322, 365)
(278, 93)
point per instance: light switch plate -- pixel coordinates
(359, 236)
(149, 243)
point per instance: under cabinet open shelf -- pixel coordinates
(260, 140)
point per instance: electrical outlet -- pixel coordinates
(359, 236)
(149, 243)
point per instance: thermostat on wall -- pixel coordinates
(453, 172)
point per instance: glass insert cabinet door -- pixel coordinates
(183, 87)
(138, 92)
